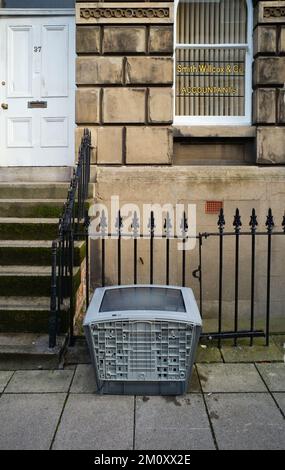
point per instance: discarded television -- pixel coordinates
(143, 338)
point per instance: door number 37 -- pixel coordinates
(37, 48)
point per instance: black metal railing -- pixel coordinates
(236, 235)
(73, 225)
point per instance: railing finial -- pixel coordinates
(221, 220)
(269, 221)
(253, 221)
(135, 225)
(119, 222)
(283, 223)
(167, 225)
(237, 221)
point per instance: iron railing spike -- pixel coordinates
(151, 222)
(283, 222)
(253, 223)
(269, 220)
(221, 220)
(237, 221)
(119, 221)
(135, 225)
(167, 224)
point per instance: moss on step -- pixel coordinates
(28, 231)
(37, 190)
(31, 285)
(43, 209)
(29, 321)
(33, 255)
(36, 210)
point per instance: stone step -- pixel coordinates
(36, 174)
(29, 351)
(40, 190)
(42, 208)
(15, 228)
(33, 190)
(33, 252)
(28, 315)
(31, 281)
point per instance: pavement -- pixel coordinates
(229, 405)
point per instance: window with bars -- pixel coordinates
(213, 60)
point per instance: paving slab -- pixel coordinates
(280, 398)
(208, 353)
(78, 354)
(5, 376)
(28, 421)
(230, 378)
(256, 353)
(96, 422)
(40, 381)
(84, 379)
(279, 340)
(172, 423)
(246, 421)
(274, 375)
(194, 386)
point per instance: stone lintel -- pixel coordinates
(270, 12)
(121, 12)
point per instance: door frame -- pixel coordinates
(48, 12)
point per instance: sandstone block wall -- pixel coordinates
(124, 77)
(268, 81)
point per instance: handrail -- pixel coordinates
(71, 226)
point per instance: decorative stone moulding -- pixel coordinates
(271, 12)
(109, 13)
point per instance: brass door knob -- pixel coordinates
(4, 106)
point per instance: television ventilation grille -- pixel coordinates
(142, 350)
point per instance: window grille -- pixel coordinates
(213, 61)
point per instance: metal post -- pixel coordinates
(237, 224)
(200, 274)
(70, 287)
(53, 299)
(86, 227)
(184, 227)
(270, 225)
(253, 224)
(119, 227)
(167, 229)
(221, 225)
(135, 227)
(151, 227)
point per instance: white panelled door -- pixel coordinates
(37, 91)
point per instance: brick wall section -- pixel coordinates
(124, 79)
(269, 80)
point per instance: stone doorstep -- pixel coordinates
(34, 208)
(23, 190)
(33, 252)
(29, 351)
(39, 190)
(29, 314)
(36, 175)
(15, 228)
(31, 207)
(25, 303)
